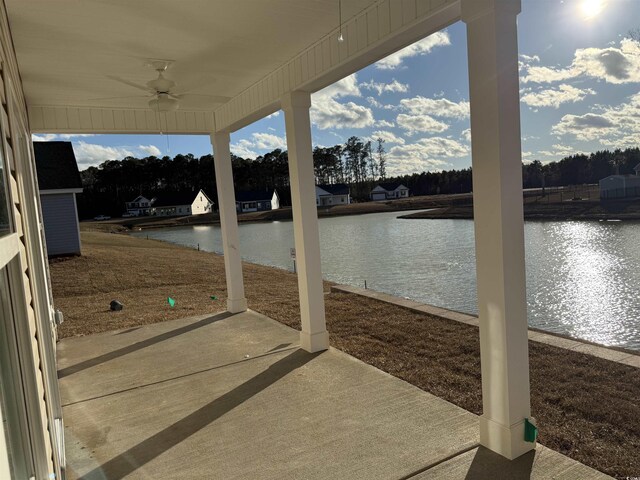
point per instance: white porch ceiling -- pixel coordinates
(68, 49)
(75, 56)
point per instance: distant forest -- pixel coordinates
(359, 163)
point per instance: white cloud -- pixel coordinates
(466, 134)
(422, 47)
(244, 149)
(88, 154)
(420, 123)
(347, 87)
(49, 137)
(584, 127)
(250, 148)
(268, 141)
(150, 150)
(611, 64)
(385, 124)
(326, 112)
(557, 152)
(43, 137)
(554, 97)
(612, 126)
(387, 137)
(393, 87)
(92, 154)
(425, 154)
(437, 107)
(273, 115)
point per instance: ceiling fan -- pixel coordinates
(160, 90)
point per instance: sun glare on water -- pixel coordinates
(591, 8)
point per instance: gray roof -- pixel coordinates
(254, 196)
(172, 199)
(336, 189)
(56, 166)
(391, 186)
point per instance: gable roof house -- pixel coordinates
(336, 194)
(181, 204)
(257, 201)
(387, 191)
(139, 206)
(59, 182)
(54, 61)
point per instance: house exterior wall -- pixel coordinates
(275, 201)
(61, 224)
(23, 261)
(141, 207)
(328, 200)
(619, 186)
(201, 204)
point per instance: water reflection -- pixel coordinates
(581, 276)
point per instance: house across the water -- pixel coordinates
(257, 201)
(140, 206)
(336, 194)
(181, 204)
(387, 191)
(59, 182)
(621, 186)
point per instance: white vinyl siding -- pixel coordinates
(60, 224)
(24, 260)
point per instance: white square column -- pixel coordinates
(314, 336)
(236, 301)
(499, 224)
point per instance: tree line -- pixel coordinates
(359, 163)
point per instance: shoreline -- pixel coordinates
(553, 206)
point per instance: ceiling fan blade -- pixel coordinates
(131, 84)
(118, 98)
(210, 98)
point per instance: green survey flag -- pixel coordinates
(171, 302)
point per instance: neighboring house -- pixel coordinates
(140, 206)
(621, 186)
(257, 201)
(186, 203)
(336, 194)
(59, 182)
(387, 191)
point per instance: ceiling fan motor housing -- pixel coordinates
(163, 103)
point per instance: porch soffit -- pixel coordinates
(71, 53)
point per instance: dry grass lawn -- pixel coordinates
(587, 407)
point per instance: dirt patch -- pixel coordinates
(587, 407)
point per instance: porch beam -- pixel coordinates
(499, 225)
(236, 301)
(314, 336)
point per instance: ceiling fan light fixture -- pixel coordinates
(163, 103)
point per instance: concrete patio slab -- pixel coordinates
(232, 397)
(482, 464)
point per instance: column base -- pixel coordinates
(237, 305)
(506, 441)
(316, 342)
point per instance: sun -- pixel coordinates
(592, 8)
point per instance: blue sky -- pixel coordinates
(579, 88)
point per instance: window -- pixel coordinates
(5, 199)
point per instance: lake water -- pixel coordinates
(582, 276)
